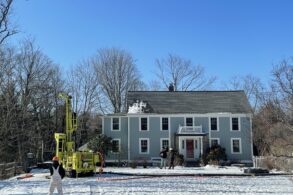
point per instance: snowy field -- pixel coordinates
(155, 181)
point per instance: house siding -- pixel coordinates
(175, 122)
(202, 121)
(122, 134)
(154, 134)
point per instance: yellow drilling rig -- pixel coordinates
(74, 162)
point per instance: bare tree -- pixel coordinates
(88, 99)
(6, 29)
(117, 74)
(182, 74)
(253, 88)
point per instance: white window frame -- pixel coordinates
(218, 127)
(148, 145)
(239, 124)
(148, 123)
(185, 121)
(161, 142)
(161, 123)
(119, 119)
(119, 145)
(218, 139)
(240, 146)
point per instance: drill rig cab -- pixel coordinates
(74, 162)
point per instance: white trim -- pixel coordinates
(119, 120)
(218, 124)
(119, 145)
(103, 125)
(210, 136)
(139, 143)
(201, 146)
(161, 142)
(148, 123)
(170, 133)
(192, 117)
(218, 139)
(251, 140)
(128, 131)
(239, 124)
(161, 123)
(240, 146)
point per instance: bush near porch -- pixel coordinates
(214, 155)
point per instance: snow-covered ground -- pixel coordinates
(155, 181)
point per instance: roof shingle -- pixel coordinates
(163, 102)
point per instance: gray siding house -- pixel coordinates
(190, 122)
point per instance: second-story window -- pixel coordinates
(235, 124)
(189, 121)
(165, 123)
(214, 124)
(144, 124)
(115, 124)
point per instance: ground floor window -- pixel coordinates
(236, 145)
(116, 145)
(214, 142)
(144, 146)
(164, 143)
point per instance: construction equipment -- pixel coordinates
(74, 162)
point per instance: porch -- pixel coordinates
(191, 142)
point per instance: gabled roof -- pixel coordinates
(175, 102)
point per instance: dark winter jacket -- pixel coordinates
(163, 153)
(61, 170)
(172, 155)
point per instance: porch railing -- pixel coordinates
(189, 129)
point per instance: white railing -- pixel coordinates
(271, 162)
(189, 129)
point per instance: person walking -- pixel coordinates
(57, 174)
(163, 155)
(171, 158)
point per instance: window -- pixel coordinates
(165, 123)
(115, 124)
(236, 145)
(164, 143)
(235, 124)
(215, 141)
(144, 146)
(115, 145)
(214, 124)
(189, 121)
(144, 124)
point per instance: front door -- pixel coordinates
(189, 148)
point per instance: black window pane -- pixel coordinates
(115, 124)
(214, 142)
(236, 146)
(144, 124)
(165, 124)
(189, 122)
(235, 125)
(115, 146)
(214, 124)
(144, 146)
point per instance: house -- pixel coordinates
(188, 121)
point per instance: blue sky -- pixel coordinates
(227, 37)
